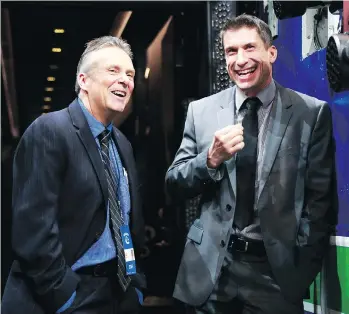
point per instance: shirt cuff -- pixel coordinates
(68, 303)
(216, 174)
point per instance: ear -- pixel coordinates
(272, 52)
(82, 81)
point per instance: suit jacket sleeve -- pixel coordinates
(39, 166)
(321, 204)
(188, 175)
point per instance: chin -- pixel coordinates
(245, 86)
(120, 107)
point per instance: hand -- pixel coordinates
(225, 144)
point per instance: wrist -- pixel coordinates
(211, 162)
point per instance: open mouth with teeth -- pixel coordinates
(118, 93)
(246, 73)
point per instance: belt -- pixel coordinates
(106, 269)
(238, 244)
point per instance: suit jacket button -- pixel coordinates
(222, 243)
(228, 207)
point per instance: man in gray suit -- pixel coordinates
(262, 156)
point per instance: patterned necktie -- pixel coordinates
(114, 208)
(246, 163)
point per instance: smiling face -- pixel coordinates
(249, 60)
(107, 86)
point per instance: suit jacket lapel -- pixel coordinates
(225, 116)
(281, 114)
(85, 135)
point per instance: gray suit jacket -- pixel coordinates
(296, 200)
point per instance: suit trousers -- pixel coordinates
(246, 285)
(103, 295)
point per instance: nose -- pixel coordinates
(123, 79)
(241, 59)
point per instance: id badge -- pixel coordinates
(128, 250)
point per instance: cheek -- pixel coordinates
(131, 86)
(266, 66)
(230, 65)
(256, 58)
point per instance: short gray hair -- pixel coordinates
(97, 44)
(249, 21)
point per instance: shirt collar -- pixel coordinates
(96, 126)
(266, 96)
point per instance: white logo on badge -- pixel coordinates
(126, 237)
(130, 266)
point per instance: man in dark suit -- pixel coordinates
(75, 189)
(267, 185)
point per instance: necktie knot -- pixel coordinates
(104, 137)
(252, 103)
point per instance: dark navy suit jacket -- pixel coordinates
(59, 199)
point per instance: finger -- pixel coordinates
(234, 149)
(231, 134)
(224, 130)
(223, 136)
(234, 141)
(230, 127)
(226, 147)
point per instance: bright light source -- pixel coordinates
(59, 30)
(46, 107)
(51, 78)
(47, 99)
(56, 49)
(146, 73)
(49, 89)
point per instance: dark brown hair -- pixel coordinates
(248, 21)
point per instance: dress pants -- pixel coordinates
(246, 285)
(103, 295)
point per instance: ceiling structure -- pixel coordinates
(33, 34)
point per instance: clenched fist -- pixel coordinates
(225, 144)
